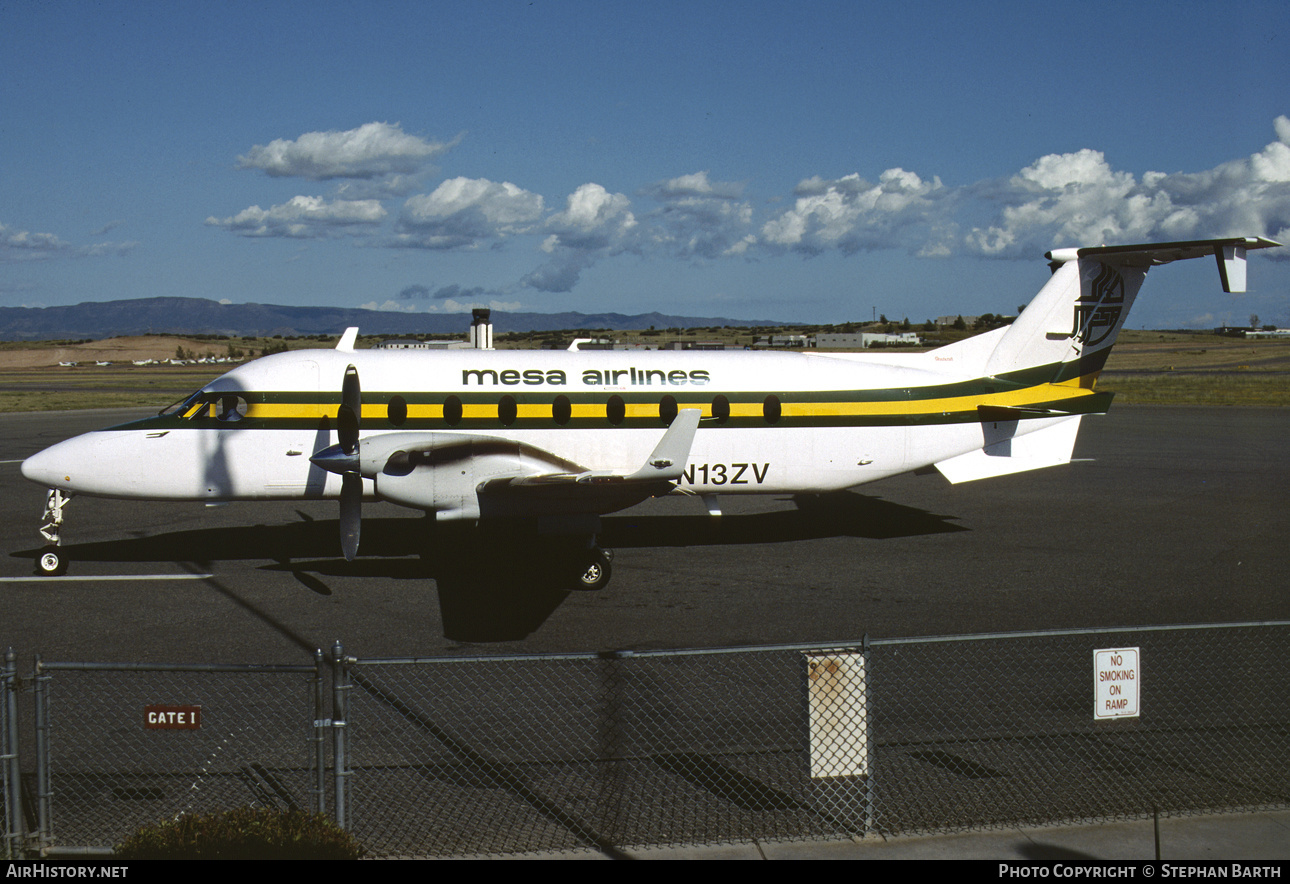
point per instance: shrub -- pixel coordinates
(243, 833)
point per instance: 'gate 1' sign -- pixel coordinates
(172, 718)
(1116, 683)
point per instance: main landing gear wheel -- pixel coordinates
(51, 562)
(594, 571)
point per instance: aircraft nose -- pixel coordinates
(47, 467)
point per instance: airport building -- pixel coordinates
(864, 340)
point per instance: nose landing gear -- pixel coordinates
(52, 561)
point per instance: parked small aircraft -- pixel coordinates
(557, 439)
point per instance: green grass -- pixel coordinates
(63, 388)
(1218, 388)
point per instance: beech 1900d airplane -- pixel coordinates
(560, 438)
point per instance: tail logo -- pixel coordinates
(1097, 312)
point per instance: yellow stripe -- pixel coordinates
(1013, 398)
(1070, 389)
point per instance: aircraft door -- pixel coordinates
(295, 428)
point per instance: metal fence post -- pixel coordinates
(339, 718)
(43, 832)
(12, 770)
(612, 749)
(872, 774)
(320, 746)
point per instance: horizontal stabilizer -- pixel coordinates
(1230, 254)
(1097, 403)
(1004, 453)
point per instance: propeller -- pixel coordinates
(343, 459)
(351, 489)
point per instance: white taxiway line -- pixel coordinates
(35, 578)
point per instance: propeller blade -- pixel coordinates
(351, 514)
(351, 410)
(351, 489)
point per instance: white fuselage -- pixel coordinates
(772, 422)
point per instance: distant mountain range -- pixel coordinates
(189, 316)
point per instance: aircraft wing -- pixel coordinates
(594, 491)
(463, 476)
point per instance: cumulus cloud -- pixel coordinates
(595, 223)
(388, 307)
(464, 212)
(700, 217)
(305, 217)
(852, 214)
(593, 219)
(371, 150)
(452, 306)
(1061, 199)
(1068, 199)
(24, 245)
(694, 185)
(560, 274)
(1078, 199)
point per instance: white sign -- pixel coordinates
(839, 731)
(1117, 683)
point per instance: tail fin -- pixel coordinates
(1075, 319)
(1064, 337)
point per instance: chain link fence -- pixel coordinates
(11, 775)
(508, 754)
(123, 746)
(987, 731)
(453, 756)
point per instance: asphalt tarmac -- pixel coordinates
(1169, 515)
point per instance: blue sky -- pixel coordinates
(814, 162)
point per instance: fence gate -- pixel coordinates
(123, 746)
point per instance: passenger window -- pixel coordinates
(615, 410)
(561, 410)
(721, 409)
(507, 411)
(771, 409)
(667, 410)
(452, 411)
(397, 411)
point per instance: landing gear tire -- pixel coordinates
(51, 562)
(593, 572)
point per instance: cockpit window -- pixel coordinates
(203, 405)
(230, 407)
(181, 408)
